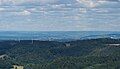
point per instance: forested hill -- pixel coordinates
(102, 53)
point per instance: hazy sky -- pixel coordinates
(59, 15)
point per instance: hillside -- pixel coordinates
(102, 53)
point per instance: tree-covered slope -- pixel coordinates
(103, 53)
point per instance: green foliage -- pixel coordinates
(81, 54)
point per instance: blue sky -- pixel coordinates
(59, 15)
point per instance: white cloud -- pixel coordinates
(100, 10)
(58, 6)
(47, 1)
(83, 10)
(23, 13)
(88, 3)
(94, 3)
(17, 2)
(2, 9)
(33, 10)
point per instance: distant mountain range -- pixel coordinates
(112, 36)
(58, 36)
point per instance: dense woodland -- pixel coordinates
(102, 53)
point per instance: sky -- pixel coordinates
(59, 15)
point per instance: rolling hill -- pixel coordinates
(101, 53)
